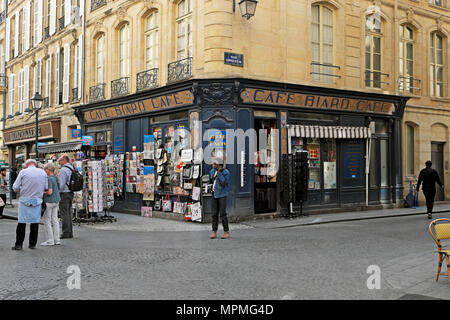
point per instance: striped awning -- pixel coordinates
(60, 147)
(330, 132)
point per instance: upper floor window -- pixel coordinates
(124, 47)
(322, 44)
(151, 41)
(373, 53)
(184, 29)
(436, 65)
(406, 54)
(439, 3)
(100, 60)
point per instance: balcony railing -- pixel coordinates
(409, 84)
(3, 81)
(323, 71)
(46, 102)
(75, 94)
(97, 93)
(373, 79)
(120, 87)
(61, 23)
(95, 4)
(2, 16)
(147, 79)
(46, 33)
(180, 70)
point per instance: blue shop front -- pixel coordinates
(350, 139)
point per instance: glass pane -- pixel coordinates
(432, 80)
(439, 74)
(329, 168)
(368, 65)
(410, 150)
(327, 54)
(380, 126)
(315, 14)
(439, 59)
(328, 35)
(376, 45)
(313, 147)
(315, 33)
(409, 68)
(383, 163)
(377, 62)
(409, 50)
(367, 45)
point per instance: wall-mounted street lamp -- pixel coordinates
(248, 8)
(36, 102)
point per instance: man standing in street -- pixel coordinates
(65, 205)
(220, 179)
(429, 177)
(31, 183)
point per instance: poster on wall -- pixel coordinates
(329, 175)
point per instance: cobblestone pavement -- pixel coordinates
(134, 259)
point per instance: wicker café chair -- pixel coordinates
(440, 230)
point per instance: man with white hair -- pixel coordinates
(31, 183)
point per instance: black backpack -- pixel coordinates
(75, 181)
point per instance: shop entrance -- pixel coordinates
(437, 158)
(265, 171)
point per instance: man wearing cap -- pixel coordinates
(219, 177)
(31, 183)
(429, 177)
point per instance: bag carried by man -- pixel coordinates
(76, 180)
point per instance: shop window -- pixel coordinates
(384, 163)
(409, 150)
(312, 116)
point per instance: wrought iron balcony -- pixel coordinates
(180, 70)
(324, 71)
(46, 102)
(61, 23)
(75, 94)
(409, 84)
(2, 16)
(97, 93)
(46, 33)
(3, 81)
(147, 79)
(95, 4)
(120, 87)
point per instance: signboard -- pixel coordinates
(177, 99)
(352, 161)
(41, 144)
(118, 144)
(76, 133)
(280, 98)
(217, 138)
(234, 59)
(87, 141)
(47, 130)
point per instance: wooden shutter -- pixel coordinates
(66, 74)
(27, 28)
(40, 20)
(26, 86)
(16, 34)
(57, 77)
(53, 16)
(11, 94)
(20, 87)
(48, 78)
(80, 66)
(67, 12)
(8, 39)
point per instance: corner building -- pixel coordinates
(342, 80)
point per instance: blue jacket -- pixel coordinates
(223, 183)
(29, 210)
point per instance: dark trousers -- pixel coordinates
(429, 196)
(65, 210)
(219, 207)
(3, 196)
(20, 234)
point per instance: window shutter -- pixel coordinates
(40, 20)
(53, 16)
(48, 77)
(26, 86)
(39, 77)
(16, 34)
(75, 67)
(11, 94)
(8, 39)
(80, 66)
(20, 87)
(67, 12)
(66, 74)
(2, 59)
(28, 25)
(57, 77)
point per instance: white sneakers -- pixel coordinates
(50, 243)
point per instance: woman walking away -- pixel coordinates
(3, 189)
(51, 199)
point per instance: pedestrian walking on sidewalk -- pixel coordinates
(3, 189)
(65, 205)
(428, 178)
(32, 183)
(51, 199)
(219, 177)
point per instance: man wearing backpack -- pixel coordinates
(65, 205)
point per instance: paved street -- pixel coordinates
(149, 258)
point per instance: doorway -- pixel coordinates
(437, 158)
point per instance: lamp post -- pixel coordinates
(36, 102)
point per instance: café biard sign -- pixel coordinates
(281, 98)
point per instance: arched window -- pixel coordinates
(406, 53)
(373, 52)
(100, 59)
(124, 50)
(184, 29)
(322, 43)
(436, 65)
(151, 41)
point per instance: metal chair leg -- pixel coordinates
(448, 267)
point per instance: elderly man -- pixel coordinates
(65, 205)
(31, 183)
(219, 177)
